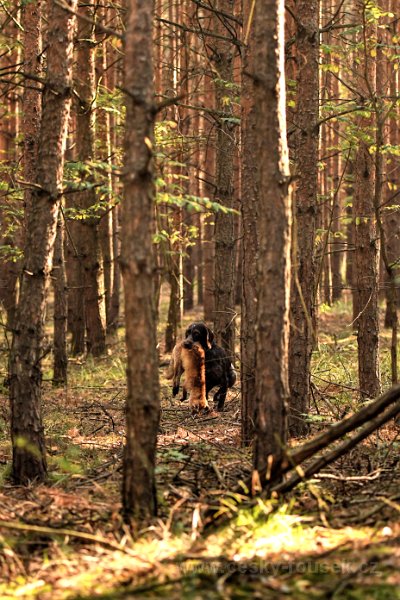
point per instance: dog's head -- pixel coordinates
(198, 332)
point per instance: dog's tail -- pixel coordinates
(231, 376)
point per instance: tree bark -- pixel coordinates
(29, 460)
(274, 217)
(87, 241)
(366, 255)
(304, 223)
(60, 362)
(249, 207)
(224, 232)
(104, 154)
(138, 270)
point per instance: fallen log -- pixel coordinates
(369, 419)
(338, 451)
(333, 433)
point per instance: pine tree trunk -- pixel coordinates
(60, 362)
(366, 255)
(116, 286)
(224, 233)
(76, 304)
(29, 460)
(249, 207)
(306, 158)
(11, 235)
(392, 216)
(138, 271)
(273, 219)
(209, 245)
(112, 323)
(174, 308)
(104, 154)
(31, 18)
(87, 242)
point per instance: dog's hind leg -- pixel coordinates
(220, 397)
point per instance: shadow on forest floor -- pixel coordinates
(336, 536)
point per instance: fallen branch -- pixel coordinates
(340, 429)
(337, 452)
(372, 416)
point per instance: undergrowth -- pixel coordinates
(335, 536)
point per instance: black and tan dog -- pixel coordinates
(219, 369)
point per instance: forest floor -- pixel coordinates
(335, 536)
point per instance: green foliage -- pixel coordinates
(10, 253)
(193, 203)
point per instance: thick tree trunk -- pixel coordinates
(138, 270)
(29, 460)
(273, 219)
(304, 224)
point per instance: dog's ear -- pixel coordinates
(210, 337)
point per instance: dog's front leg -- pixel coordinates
(176, 381)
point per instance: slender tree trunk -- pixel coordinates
(112, 323)
(349, 186)
(88, 243)
(29, 460)
(208, 239)
(116, 286)
(76, 304)
(382, 137)
(224, 233)
(104, 154)
(188, 266)
(31, 21)
(199, 259)
(392, 216)
(304, 224)
(336, 245)
(249, 207)
(11, 235)
(174, 308)
(60, 308)
(170, 73)
(137, 264)
(273, 218)
(366, 253)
